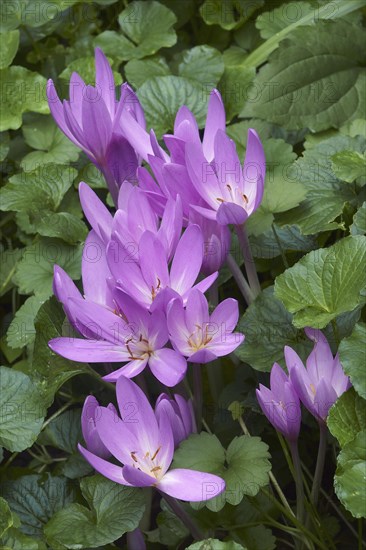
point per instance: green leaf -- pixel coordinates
(257, 538)
(324, 283)
(352, 354)
(270, 23)
(162, 96)
(239, 133)
(326, 195)
(15, 540)
(113, 510)
(6, 519)
(64, 432)
(35, 270)
(349, 480)
(4, 145)
(139, 70)
(36, 499)
(53, 146)
(21, 331)
(85, 67)
(347, 417)
(281, 191)
(244, 465)
(230, 14)
(9, 47)
(359, 221)
(39, 189)
(290, 240)
(22, 90)
(322, 81)
(349, 165)
(60, 225)
(248, 468)
(236, 81)
(215, 544)
(268, 327)
(22, 410)
(202, 64)
(9, 259)
(49, 371)
(146, 27)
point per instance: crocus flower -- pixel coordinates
(130, 334)
(186, 129)
(150, 281)
(135, 215)
(170, 172)
(91, 120)
(322, 381)
(281, 404)
(144, 447)
(217, 240)
(88, 427)
(199, 336)
(231, 193)
(180, 413)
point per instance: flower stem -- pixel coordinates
(319, 464)
(197, 393)
(248, 260)
(179, 511)
(300, 497)
(240, 280)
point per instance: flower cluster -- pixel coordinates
(317, 386)
(143, 302)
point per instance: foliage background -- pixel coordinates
(295, 71)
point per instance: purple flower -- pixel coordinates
(130, 334)
(217, 240)
(186, 130)
(231, 193)
(135, 216)
(150, 281)
(199, 336)
(180, 413)
(170, 172)
(322, 381)
(144, 446)
(91, 119)
(281, 404)
(88, 427)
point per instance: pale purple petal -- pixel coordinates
(319, 363)
(115, 435)
(95, 211)
(254, 169)
(87, 351)
(103, 467)
(168, 366)
(130, 370)
(137, 478)
(231, 213)
(97, 123)
(137, 413)
(104, 81)
(95, 272)
(226, 315)
(216, 120)
(190, 485)
(196, 311)
(203, 355)
(187, 260)
(206, 282)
